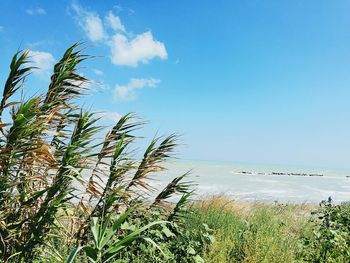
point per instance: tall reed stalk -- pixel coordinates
(48, 143)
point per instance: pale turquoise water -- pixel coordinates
(225, 178)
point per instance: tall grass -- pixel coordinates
(251, 232)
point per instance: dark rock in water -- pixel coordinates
(295, 174)
(281, 173)
(275, 173)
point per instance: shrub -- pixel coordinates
(329, 240)
(176, 242)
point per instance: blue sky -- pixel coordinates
(248, 81)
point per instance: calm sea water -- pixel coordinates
(226, 178)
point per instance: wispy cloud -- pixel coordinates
(124, 50)
(98, 72)
(44, 62)
(128, 91)
(90, 22)
(36, 11)
(101, 87)
(109, 115)
(40, 44)
(114, 22)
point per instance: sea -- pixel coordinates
(259, 182)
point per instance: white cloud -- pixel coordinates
(90, 22)
(124, 50)
(109, 116)
(128, 92)
(36, 11)
(40, 43)
(98, 72)
(94, 28)
(118, 8)
(114, 22)
(44, 61)
(142, 49)
(100, 86)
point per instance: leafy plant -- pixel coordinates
(179, 241)
(329, 240)
(105, 245)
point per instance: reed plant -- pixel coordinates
(59, 183)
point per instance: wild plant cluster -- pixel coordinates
(66, 196)
(260, 232)
(329, 240)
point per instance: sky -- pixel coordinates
(243, 81)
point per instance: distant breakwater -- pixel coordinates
(279, 173)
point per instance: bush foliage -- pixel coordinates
(329, 240)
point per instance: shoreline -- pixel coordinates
(249, 202)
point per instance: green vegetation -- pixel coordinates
(254, 232)
(65, 196)
(329, 240)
